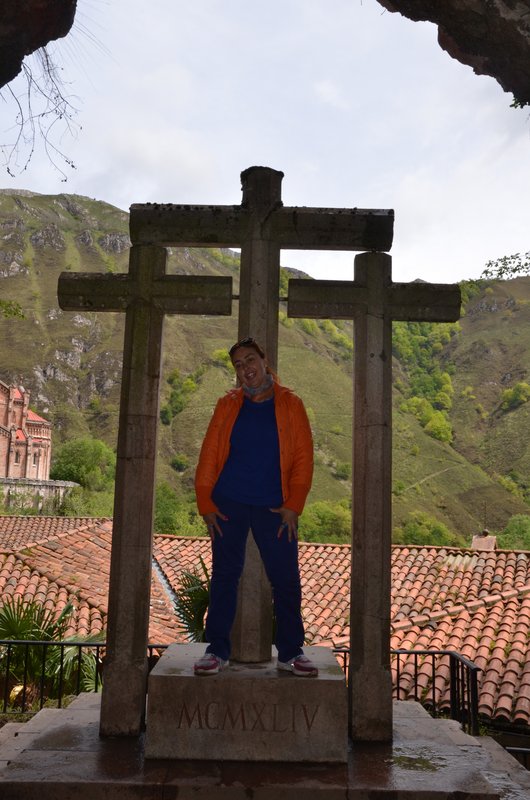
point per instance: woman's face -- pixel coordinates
(249, 366)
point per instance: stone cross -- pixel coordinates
(145, 294)
(261, 226)
(373, 301)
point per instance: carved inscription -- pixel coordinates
(247, 717)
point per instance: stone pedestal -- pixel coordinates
(248, 712)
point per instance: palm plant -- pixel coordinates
(77, 669)
(191, 601)
(27, 667)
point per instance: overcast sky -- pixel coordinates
(357, 106)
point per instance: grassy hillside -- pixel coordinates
(71, 363)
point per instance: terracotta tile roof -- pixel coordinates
(20, 532)
(20, 436)
(70, 560)
(476, 603)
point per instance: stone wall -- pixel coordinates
(26, 494)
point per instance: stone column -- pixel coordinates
(125, 676)
(258, 317)
(370, 685)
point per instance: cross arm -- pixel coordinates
(171, 294)
(299, 228)
(413, 302)
(168, 224)
(289, 227)
(425, 302)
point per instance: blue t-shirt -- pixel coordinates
(252, 471)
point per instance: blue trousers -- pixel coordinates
(280, 558)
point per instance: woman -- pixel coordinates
(254, 472)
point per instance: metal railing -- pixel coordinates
(443, 681)
(34, 674)
(38, 673)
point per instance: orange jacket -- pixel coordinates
(296, 448)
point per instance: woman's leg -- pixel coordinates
(280, 557)
(228, 556)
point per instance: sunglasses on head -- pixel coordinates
(248, 341)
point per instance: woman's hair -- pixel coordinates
(248, 341)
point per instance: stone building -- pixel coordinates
(25, 438)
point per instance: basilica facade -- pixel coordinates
(25, 437)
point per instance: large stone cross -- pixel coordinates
(261, 226)
(373, 301)
(146, 294)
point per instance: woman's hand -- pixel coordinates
(212, 523)
(289, 522)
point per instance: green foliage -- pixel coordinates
(516, 535)
(89, 462)
(439, 427)
(286, 321)
(343, 471)
(221, 358)
(29, 621)
(180, 462)
(175, 516)
(284, 282)
(469, 289)
(517, 396)
(507, 267)
(516, 103)
(421, 529)
(181, 390)
(324, 521)
(431, 391)
(43, 670)
(191, 601)
(9, 308)
(309, 326)
(336, 337)
(80, 502)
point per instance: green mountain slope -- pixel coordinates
(71, 363)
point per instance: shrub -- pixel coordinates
(515, 397)
(309, 326)
(324, 521)
(180, 462)
(176, 516)
(221, 358)
(343, 471)
(516, 535)
(439, 427)
(421, 529)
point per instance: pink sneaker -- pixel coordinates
(301, 665)
(209, 664)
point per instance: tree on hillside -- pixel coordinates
(507, 267)
(89, 462)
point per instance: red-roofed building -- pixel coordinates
(25, 437)
(473, 602)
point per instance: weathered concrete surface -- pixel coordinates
(491, 37)
(248, 712)
(59, 756)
